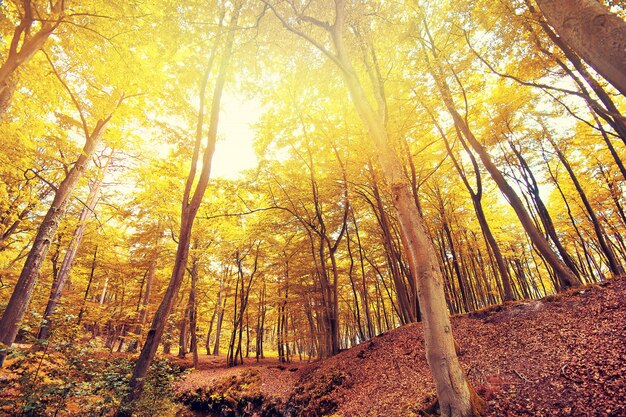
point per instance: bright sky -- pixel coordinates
(233, 152)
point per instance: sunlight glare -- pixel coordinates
(234, 152)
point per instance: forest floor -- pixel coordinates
(564, 355)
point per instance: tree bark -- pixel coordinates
(594, 33)
(610, 113)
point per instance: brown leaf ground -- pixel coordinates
(561, 356)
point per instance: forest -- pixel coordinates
(271, 207)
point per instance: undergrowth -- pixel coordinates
(240, 395)
(237, 396)
(64, 376)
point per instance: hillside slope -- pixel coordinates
(561, 356)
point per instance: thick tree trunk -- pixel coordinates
(610, 113)
(22, 292)
(594, 33)
(6, 94)
(157, 328)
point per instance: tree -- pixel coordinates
(476, 196)
(455, 395)
(241, 298)
(192, 198)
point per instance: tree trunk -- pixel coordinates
(145, 299)
(407, 313)
(207, 344)
(465, 296)
(260, 327)
(594, 33)
(192, 314)
(242, 291)
(610, 113)
(528, 178)
(230, 354)
(492, 244)
(182, 335)
(91, 274)
(218, 329)
(364, 294)
(355, 291)
(614, 264)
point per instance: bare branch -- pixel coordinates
(316, 22)
(36, 174)
(517, 79)
(72, 96)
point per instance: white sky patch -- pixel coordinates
(234, 152)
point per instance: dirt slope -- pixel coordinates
(561, 356)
